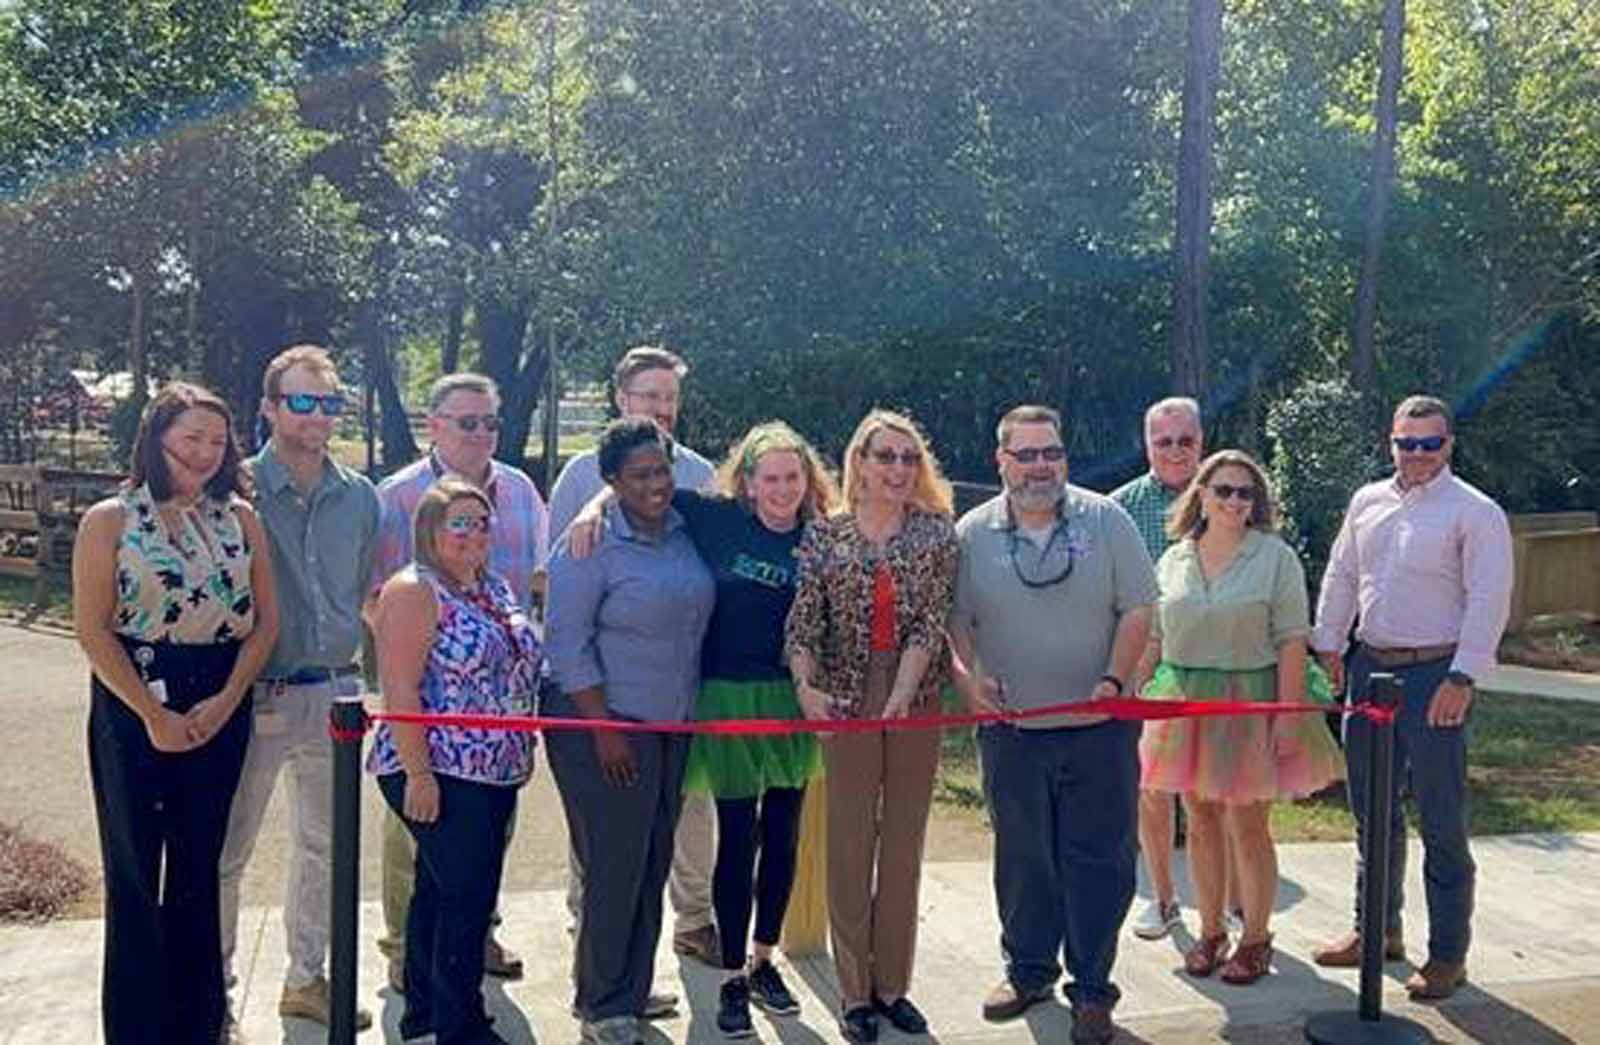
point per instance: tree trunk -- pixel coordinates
(502, 331)
(1190, 349)
(399, 446)
(455, 311)
(1391, 66)
(138, 349)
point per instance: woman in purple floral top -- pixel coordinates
(452, 639)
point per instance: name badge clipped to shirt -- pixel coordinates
(158, 689)
(143, 657)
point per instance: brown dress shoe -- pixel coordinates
(1091, 1025)
(1345, 952)
(1436, 980)
(1007, 1002)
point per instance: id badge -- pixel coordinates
(158, 689)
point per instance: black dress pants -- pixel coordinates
(163, 818)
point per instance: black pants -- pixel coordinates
(162, 821)
(770, 823)
(459, 857)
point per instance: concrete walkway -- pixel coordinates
(1541, 682)
(1535, 967)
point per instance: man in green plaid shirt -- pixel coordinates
(1172, 444)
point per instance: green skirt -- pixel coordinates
(744, 767)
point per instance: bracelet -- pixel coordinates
(1115, 682)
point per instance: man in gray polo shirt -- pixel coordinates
(1053, 602)
(321, 520)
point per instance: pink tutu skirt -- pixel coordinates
(1238, 759)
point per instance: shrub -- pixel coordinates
(38, 881)
(1320, 454)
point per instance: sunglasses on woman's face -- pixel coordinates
(909, 458)
(1428, 444)
(467, 525)
(303, 403)
(1225, 491)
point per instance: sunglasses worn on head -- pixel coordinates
(469, 422)
(1224, 491)
(1030, 454)
(303, 403)
(466, 525)
(1166, 442)
(909, 458)
(1430, 444)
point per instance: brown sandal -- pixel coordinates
(1207, 953)
(1249, 963)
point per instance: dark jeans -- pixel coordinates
(737, 884)
(1434, 761)
(623, 837)
(162, 821)
(459, 857)
(1064, 803)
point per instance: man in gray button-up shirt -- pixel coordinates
(321, 520)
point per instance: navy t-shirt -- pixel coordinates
(755, 573)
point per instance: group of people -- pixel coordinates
(222, 605)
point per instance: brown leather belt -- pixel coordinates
(1399, 658)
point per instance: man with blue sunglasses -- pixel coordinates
(1424, 561)
(321, 520)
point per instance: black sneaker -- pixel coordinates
(733, 1014)
(768, 990)
(859, 1025)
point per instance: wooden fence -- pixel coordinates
(1557, 562)
(39, 513)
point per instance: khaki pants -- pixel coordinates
(879, 786)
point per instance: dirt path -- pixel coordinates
(44, 785)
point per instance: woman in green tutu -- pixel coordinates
(1232, 625)
(770, 486)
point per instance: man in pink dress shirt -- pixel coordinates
(1424, 561)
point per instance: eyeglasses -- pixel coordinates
(1035, 581)
(1030, 454)
(1224, 491)
(654, 398)
(469, 422)
(1430, 444)
(1166, 442)
(304, 403)
(467, 525)
(909, 458)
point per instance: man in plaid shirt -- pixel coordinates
(1173, 444)
(464, 424)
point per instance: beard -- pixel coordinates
(1035, 495)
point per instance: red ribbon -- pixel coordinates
(1118, 707)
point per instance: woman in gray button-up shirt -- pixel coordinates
(624, 632)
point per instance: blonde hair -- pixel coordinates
(1184, 518)
(930, 493)
(733, 475)
(431, 510)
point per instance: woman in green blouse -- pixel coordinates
(1232, 625)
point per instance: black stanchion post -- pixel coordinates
(348, 721)
(1368, 1025)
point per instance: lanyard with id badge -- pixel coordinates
(143, 657)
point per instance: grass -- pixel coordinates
(16, 599)
(38, 881)
(1533, 765)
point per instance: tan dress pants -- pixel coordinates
(879, 786)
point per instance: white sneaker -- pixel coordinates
(1157, 919)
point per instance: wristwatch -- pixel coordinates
(1459, 678)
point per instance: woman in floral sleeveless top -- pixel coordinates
(452, 639)
(173, 601)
